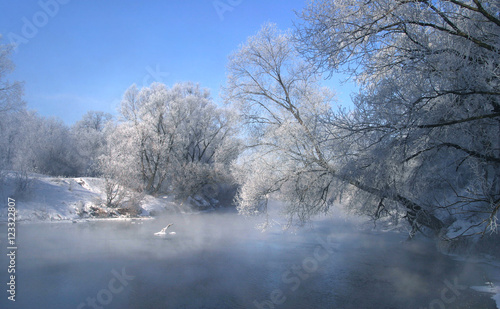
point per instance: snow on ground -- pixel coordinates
(56, 198)
(151, 206)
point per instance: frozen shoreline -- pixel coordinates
(492, 268)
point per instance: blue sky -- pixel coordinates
(76, 55)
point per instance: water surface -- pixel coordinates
(221, 261)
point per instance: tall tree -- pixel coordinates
(427, 117)
(296, 149)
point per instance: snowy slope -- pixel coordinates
(56, 198)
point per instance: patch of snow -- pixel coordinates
(71, 199)
(84, 184)
(153, 206)
(50, 199)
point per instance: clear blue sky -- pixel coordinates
(76, 55)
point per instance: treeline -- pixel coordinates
(164, 141)
(32, 143)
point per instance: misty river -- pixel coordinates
(220, 260)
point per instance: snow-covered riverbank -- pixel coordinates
(72, 199)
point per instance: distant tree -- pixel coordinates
(93, 121)
(10, 102)
(154, 116)
(173, 139)
(206, 145)
(10, 92)
(90, 139)
(43, 145)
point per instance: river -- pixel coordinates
(219, 260)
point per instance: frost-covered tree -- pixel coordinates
(10, 102)
(427, 118)
(41, 145)
(149, 113)
(175, 139)
(10, 92)
(119, 165)
(206, 148)
(46, 146)
(282, 106)
(297, 149)
(93, 121)
(90, 139)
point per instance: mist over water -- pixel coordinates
(219, 260)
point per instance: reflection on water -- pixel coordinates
(221, 261)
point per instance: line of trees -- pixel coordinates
(164, 141)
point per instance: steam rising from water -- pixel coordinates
(219, 260)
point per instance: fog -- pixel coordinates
(220, 260)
